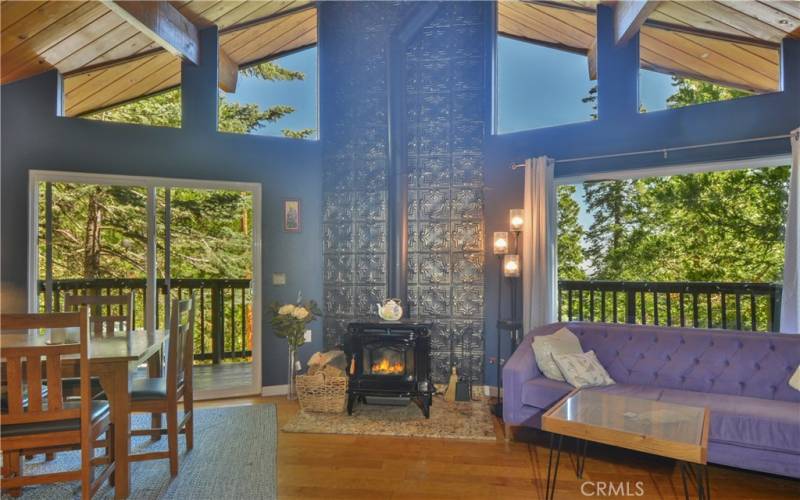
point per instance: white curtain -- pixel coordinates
(539, 265)
(790, 300)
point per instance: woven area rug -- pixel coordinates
(457, 420)
(234, 456)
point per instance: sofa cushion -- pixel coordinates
(542, 392)
(745, 421)
(582, 370)
(546, 346)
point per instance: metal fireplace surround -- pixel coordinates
(389, 360)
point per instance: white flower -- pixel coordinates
(300, 313)
(287, 309)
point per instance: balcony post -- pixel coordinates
(630, 306)
(217, 339)
(775, 308)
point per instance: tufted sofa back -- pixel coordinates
(725, 362)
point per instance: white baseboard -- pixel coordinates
(274, 390)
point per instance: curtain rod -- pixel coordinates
(665, 151)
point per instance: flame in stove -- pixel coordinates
(384, 367)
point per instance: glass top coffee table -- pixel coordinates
(658, 428)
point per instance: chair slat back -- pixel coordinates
(24, 375)
(104, 321)
(180, 351)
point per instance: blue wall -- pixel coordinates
(34, 138)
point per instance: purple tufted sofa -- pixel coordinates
(741, 377)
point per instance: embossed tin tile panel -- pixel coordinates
(444, 128)
(444, 96)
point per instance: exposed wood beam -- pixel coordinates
(629, 16)
(591, 57)
(163, 24)
(228, 72)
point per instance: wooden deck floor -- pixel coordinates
(222, 376)
(338, 466)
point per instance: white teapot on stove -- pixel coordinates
(390, 310)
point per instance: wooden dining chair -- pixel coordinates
(104, 316)
(162, 394)
(107, 312)
(35, 424)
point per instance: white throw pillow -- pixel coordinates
(583, 370)
(794, 381)
(544, 347)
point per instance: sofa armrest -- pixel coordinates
(520, 368)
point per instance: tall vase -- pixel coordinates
(291, 392)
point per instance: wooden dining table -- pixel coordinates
(113, 359)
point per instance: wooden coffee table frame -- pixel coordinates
(692, 458)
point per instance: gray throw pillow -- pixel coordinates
(544, 347)
(582, 370)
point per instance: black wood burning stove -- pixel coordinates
(389, 360)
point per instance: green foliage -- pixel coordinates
(716, 226)
(161, 110)
(690, 91)
(289, 320)
(101, 232)
(570, 232)
(164, 109)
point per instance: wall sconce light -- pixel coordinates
(500, 242)
(511, 266)
(516, 219)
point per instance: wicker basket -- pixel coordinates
(322, 394)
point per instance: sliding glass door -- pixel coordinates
(159, 240)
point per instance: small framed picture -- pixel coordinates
(291, 216)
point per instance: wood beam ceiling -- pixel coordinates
(163, 24)
(629, 16)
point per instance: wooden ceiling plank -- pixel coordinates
(268, 10)
(46, 15)
(170, 81)
(289, 9)
(237, 39)
(572, 38)
(88, 53)
(724, 60)
(657, 62)
(237, 15)
(163, 23)
(301, 39)
(79, 87)
(720, 60)
(131, 46)
(766, 14)
(764, 61)
(138, 82)
(586, 24)
(113, 81)
(510, 27)
(260, 48)
(11, 12)
(195, 11)
(44, 51)
(697, 19)
(700, 66)
(629, 16)
(748, 25)
(789, 7)
(278, 29)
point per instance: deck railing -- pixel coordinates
(223, 312)
(732, 306)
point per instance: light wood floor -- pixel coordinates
(377, 467)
